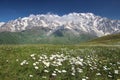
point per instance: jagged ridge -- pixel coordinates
(51, 28)
(78, 23)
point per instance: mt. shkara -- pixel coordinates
(51, 28)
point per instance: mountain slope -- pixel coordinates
(109, 39)
(34, 36)
(72, 28)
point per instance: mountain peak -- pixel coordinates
(2, 23)
(76, 22)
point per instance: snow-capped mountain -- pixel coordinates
(1, 23)
(77, 23)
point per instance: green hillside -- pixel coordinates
(38, 36)
(109, 39)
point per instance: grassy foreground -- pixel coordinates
(59, 62)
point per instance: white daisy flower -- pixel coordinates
(116, 72)
(30, 75)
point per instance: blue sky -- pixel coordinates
(12, 9)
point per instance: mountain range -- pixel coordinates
(52, 28)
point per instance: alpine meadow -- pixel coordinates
(59, 40)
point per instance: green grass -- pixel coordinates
(103, 60)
